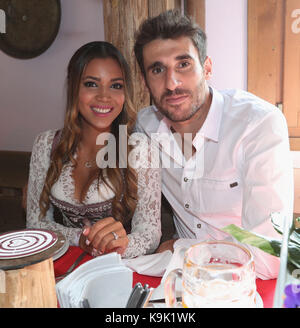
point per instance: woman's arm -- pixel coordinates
(146, 223)
(39, 164)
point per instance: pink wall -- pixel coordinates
(32, 91)
(226, 28)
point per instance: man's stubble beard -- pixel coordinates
(194, 107)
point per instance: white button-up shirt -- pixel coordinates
(240, 173)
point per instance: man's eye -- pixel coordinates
(157, 70)
(90, 84)
(118, 86)
(184, 64)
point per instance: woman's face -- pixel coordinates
(101, 93)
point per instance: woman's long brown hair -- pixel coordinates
(123, 183)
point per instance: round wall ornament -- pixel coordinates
(31, 26)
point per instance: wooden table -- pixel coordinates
(28, 282)
(265, 288)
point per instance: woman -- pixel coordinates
(102, 210)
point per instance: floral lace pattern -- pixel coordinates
(146, 226)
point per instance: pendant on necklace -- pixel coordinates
(88, 164)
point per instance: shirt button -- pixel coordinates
(185, 179)
(186, 205)
(199, 225)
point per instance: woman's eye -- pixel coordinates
(90, 84)
(117, 86)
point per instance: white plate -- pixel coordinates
(61, 251)
(26, 242)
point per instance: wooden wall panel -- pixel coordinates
(291, 89)
(265, 49)
(274, 57)
(297, 191)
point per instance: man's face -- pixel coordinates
(175, 78)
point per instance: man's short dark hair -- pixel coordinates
(170, 24)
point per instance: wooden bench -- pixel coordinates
(14, 171)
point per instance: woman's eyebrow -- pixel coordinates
(88, 77)
(117, 79)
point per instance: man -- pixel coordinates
(237, 168)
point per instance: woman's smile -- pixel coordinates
(101, 110)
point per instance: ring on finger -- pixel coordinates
(115, 235)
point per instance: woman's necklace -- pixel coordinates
(89, 164)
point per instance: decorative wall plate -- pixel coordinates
(31, 26)
(21, 243)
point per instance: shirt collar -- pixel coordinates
(164, 126)
(211, 127)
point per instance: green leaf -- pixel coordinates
(278, 223)
(294, 254)
(270, 246)
(246, 237)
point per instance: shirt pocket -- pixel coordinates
(219, 196)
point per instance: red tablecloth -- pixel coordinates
(265, 288)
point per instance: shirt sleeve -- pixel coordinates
(146, 225)
(268, 184)
(39, 164)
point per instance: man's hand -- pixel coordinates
(166, 245)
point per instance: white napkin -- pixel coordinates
(104, 281)
(151, 265)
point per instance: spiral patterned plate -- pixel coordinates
(21, 243)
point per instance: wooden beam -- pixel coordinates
(158, 6)
(196, 10)
(121, 20)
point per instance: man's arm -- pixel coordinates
(268, 184)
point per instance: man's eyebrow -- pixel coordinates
(159, 64)
(155, 64)
(185, 56)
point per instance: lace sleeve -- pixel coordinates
(39, 164)
(146, 225)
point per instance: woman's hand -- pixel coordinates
(105, 236)
(83, 245)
